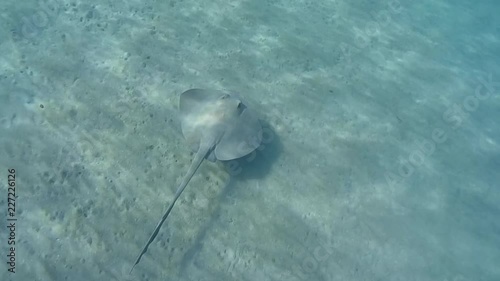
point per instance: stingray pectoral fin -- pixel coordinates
(243, 137)
(198, 159)
(211, 157)
(192, 100)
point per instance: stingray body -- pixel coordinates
(218, 126)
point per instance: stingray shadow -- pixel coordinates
(257, 164)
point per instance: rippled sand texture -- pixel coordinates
(380, 159)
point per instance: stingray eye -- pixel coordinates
(225, 96)
(240, 105)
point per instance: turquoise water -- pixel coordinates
(380, 158)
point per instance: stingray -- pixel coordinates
(217, 126)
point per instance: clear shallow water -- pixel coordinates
(380, 163)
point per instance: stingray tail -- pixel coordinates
(200, 155)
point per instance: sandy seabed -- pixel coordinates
(380, 158)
